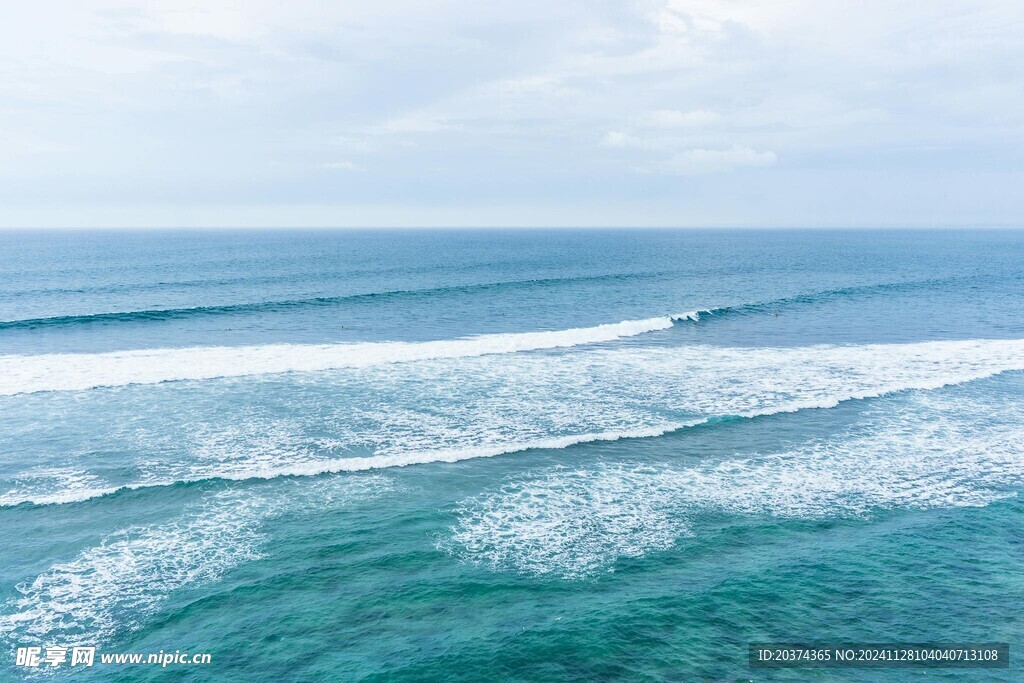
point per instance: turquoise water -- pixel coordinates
(459, 455)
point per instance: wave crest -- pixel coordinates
(22, 374)
(441, 411)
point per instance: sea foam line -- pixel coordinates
(80, 371)
(22, 374)
(113, 587)
(416, 413)
(340, 465)
(451, 455)
(927, 451)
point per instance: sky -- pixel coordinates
(815, 113)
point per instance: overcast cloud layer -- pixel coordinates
(452, 112)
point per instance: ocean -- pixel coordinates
(457, 455)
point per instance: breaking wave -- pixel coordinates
(436, 411)
(20, 374)
(112, 587)
(925, 452)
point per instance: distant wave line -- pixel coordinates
(814, 297)
(164, 314)
(161, 314)
(31, 373)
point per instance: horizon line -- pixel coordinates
(200, 228)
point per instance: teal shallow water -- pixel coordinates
(833, 453)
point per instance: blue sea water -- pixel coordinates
(509, 455)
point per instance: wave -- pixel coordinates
(165, 314)
(72, 372)
(770, 305)
(108, 588)
(335, 466)
(417, 415)
(20, 374)
(926, 452)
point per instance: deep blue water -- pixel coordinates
(521, 455)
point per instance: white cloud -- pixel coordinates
(619, 140)
(341, 166)
(672, 118)
(412, 124)
(705, 161)
(524, 102)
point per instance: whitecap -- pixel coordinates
(924, 452)
(115, 586)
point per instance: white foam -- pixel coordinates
(446, 411)
(524, 405)
(114, 586)
(571, 522)
(926, 452)
(78, 371)
(54, 485)
(109, 586)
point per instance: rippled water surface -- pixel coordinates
(459, 455)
